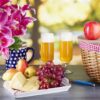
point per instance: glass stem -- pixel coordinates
(66, 69)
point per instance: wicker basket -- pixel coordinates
(90, 51)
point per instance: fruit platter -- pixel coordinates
(29, 80)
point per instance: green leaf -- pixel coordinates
(17, 44)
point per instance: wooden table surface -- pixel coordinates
(77, 92)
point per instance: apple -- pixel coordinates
(30, 71)
(22, 65)
(92, 30)
(8, 75)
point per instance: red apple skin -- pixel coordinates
(22, 65)
(92, 30)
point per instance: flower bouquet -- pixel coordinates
(13, 25)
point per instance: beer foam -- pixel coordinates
(47, 37)
(66, 36)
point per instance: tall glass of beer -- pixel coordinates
(66, 48)
(47, 47)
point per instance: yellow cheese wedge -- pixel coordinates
(31, 84)
(18, 81)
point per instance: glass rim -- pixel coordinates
(66, 36)
(47, 37)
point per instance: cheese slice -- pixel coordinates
(18, 81)
(31, 84)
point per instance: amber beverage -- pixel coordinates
(47, 47)
(66, 51)
(66, 47)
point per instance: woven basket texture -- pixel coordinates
(90, 52)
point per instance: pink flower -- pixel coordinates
(5, 30)
(5, 53)
(6, 9)
(18, 20)
(6, 40)
(17, 15)
(3, 2)
(26, 21)
(14, 8)
(18, 30)
(3, 18)
(26, 7)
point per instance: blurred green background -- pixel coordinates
(60, 15)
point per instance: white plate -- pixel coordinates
(19, 94)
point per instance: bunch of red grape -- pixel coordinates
(50, 75)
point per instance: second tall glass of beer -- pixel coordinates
(47, 47)
(66, 48)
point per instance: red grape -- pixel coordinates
(49, 63)
(54, 83)
(41, 78)
(53, 76)
(49, 72)
(44, 85)
(59, 78)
